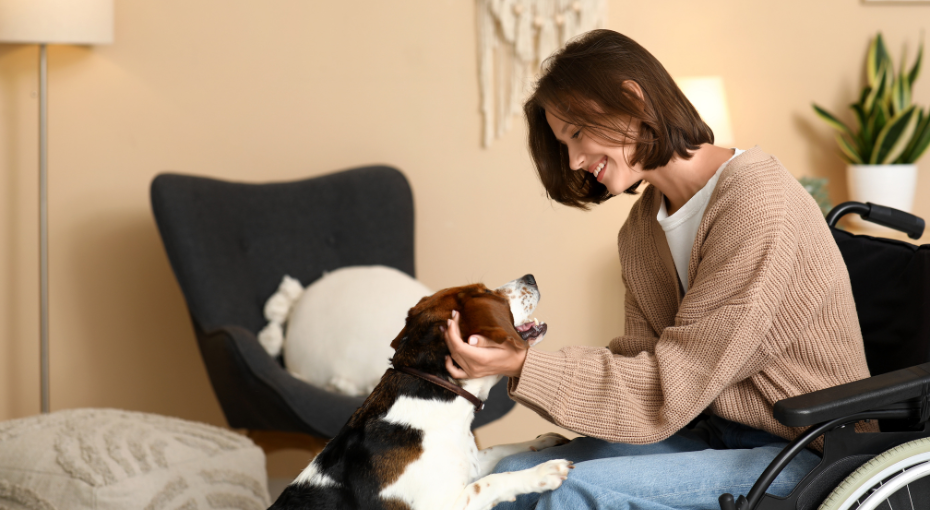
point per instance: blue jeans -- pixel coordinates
(689, 470)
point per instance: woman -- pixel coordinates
(736, 296)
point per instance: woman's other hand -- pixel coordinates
(480, 357)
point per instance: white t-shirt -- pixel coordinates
(682, 226)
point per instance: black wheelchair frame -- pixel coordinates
(899, 399)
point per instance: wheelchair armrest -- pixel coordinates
(858, 396)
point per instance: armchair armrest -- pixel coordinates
(258, 393)
(846, 399)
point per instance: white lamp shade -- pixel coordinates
(56, 21)
(707, 95)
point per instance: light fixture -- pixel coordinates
(46, 22)
(707, 95)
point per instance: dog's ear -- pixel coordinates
(420, 322)
(400, 336)
(490, 317)
(410, 323)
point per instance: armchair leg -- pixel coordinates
(271, 441)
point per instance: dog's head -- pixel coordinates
(500, 315)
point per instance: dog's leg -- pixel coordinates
(489, 457)
(486, 492)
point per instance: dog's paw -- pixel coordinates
(547, 440)
(550, 475)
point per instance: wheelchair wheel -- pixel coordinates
(897, 479)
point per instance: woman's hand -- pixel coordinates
(480, 357)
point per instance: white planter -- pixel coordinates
(888, 185)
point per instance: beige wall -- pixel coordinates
(259, 91)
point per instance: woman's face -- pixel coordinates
(608, 163)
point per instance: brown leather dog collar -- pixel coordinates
(438, 381)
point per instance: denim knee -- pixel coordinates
(573, 493)
(517, 462)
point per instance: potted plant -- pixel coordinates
(891, 133)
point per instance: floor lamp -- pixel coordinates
(707, 95)
(46, 22)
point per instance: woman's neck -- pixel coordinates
(681, 179)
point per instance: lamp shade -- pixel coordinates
(707, 95)
(56, 21)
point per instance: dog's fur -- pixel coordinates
(410, 446)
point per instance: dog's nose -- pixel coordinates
(529, 280)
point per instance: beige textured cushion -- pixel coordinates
(121, 460)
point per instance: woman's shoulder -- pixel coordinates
(753, 168)
(756, 187)
(755, 179)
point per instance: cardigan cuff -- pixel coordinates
(539, 384)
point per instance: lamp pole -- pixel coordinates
(43, 224)
(46, 22)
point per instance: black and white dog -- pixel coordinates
(410, 446)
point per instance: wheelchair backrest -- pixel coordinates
(891, 287)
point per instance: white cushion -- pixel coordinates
(340, 331)
(109, 459)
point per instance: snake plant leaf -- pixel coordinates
(894, 137)
(851, 154)
(877, 122)
(918, 130)
(915, 71)
(832, 121)
(875, 60)
(876, 96)
(897, 97)
(865, 136)
(865, 94)
(921, 145)
(922, 123)
(888, 96)
(919, 141)
(861, 117)
(907, 90)
(900, 94)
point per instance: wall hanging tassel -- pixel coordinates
(514, 37)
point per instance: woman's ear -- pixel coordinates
(634, 89)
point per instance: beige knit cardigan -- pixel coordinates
(769, 315)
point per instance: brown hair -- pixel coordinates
(582, 84)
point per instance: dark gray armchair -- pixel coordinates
(229, 244)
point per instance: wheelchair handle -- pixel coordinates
(889, 217)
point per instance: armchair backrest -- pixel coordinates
(230, 243)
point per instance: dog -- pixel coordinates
(410, 446)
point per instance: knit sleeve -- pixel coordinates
(638, 334)
(748, 258)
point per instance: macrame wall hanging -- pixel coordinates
(514, 37)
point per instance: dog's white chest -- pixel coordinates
(449, 460)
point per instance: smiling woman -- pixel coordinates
(736, 296)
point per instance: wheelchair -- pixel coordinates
(889, 469)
